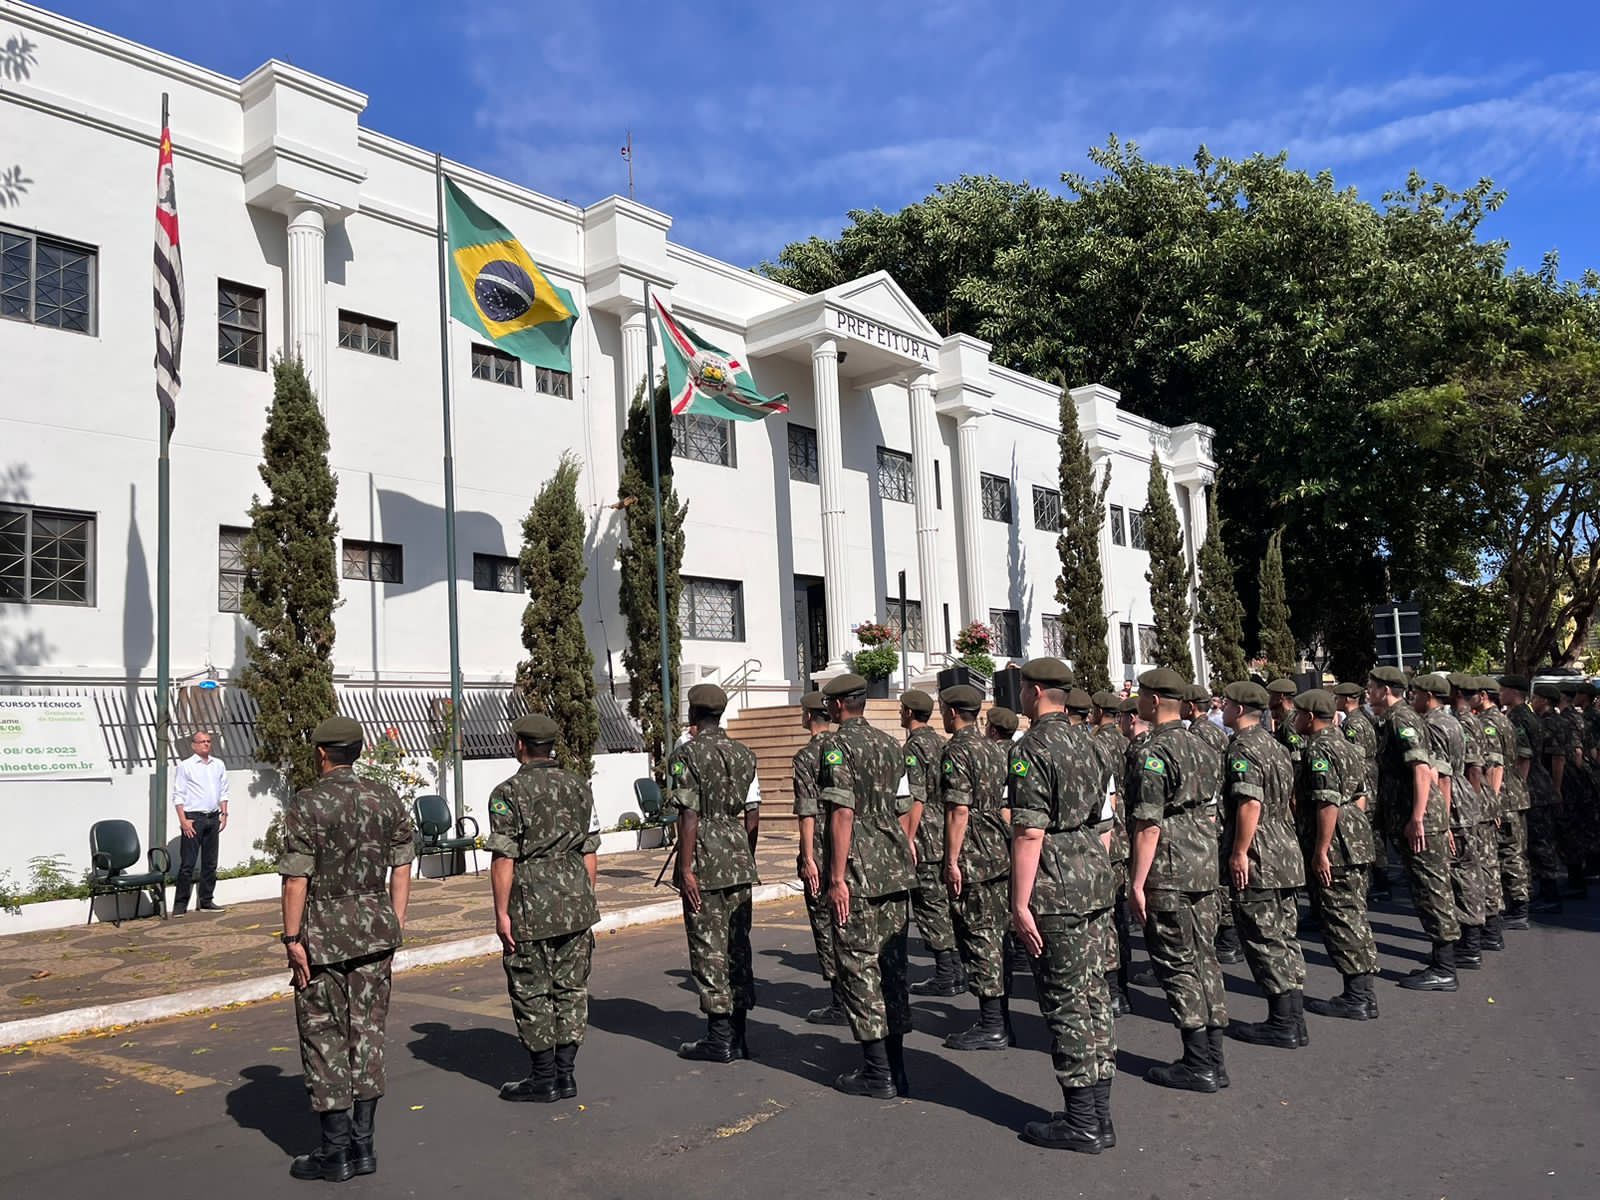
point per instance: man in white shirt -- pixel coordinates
(200, 795)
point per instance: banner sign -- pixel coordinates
(51, 737)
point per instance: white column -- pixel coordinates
(635, 337)
(924, 446)
(1196, 493)
(308, 318)
(967, 471)
(830, 474)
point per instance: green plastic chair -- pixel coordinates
(434, 831)
(113, 848)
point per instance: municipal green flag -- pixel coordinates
(704, 379)
(497, 289)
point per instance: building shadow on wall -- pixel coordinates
(19, 647)
(1019, 595)
(416, 523)
(138, 632)
(18, 57)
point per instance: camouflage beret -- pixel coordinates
(1283, 687)
(1128, 705)
(536, 727)
(1164, 682)
(1079, 700)
(1570, 687)
(1488, 683)
(1460, 681)
(962, 696)
(708, 696)
(1432, 683)
(1002, 718)
(1198, 693)
(918, 702)
(1392, 677)
(1250, 695)
(1547, 690)
(1048, 673)
(1348, 689)
(1107, 701)
(336, 731)
(1517, 683)
(845, 687)
(1317, 702)
(814, 702)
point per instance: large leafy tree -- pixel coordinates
(1221, 615)
(1081, 585)
(1168, 575)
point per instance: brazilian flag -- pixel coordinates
(498, 290)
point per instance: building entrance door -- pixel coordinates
(810, 628)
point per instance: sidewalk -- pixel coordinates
(59, 970)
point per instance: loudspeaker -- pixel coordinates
(1008, 688)
(951, 676)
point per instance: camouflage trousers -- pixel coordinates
(1466, 877)
(1074, 999)
(1180, 933)
(1117, 940)
(719, 950)
(1428, 875)
(1511, 842)
(820, 913)
(1346, 932)
(1484, 836)
(548, 981)
(930, 908)
(871, 948)
(341, 1013)
(1380, 856)
(1544, 860)
(1268, 919)
(1580, 818)
(982, 915)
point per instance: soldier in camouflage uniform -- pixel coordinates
(1447, 742)
(1263, 866)
(1196, 705)
(1361, 733)
(1419, 824)
(811, 864)
(544, 833)
(1546, 781)
(1062, 891)
(348, 844)
(868, 804)
(1511, 804)
(1543, 812)
(1331, 786)
(711, 786)
(1173, 887)
(1000, 724)
(1110, 747)
(930, 899)
(977, 862)
(1578, 806)
(1483, 754)
(1281, 692)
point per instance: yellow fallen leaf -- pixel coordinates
(1491, 999)
(179, 1092)
(582, 1108)
(213, 1024)
(125, 1045)
(277, 1049)
(202, 1050)
(417, 1107)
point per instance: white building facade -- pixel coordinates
(303, 231)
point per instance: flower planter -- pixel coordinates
(878, 689)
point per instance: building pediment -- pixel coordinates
(879, 331)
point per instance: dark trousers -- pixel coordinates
(203, 845)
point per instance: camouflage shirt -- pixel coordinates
(1529, 732)
(1287, 737)
(344, 834)
(543, 819)
(1361, 733)
(1334, 772)
(973, 775)
(1502, 734)
(1259, 769)
(1403, 742)
(1559, 738)
(1447, 743)
(1477, 747)
(862, 769)
(710, 775)
(1216, 740)
(922, 753)
(1058, 785)
(1576, 733)
(808, 792)
(1169, 791)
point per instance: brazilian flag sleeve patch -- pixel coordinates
(1155, 764)
(1241, 766)
(833, 758)
(499, 807)
(1019, 768)
(1320, 765)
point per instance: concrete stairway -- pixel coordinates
(775, 734)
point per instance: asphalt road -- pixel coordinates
(1491, 1092)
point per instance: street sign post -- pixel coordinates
(1398, 629)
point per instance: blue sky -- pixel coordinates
(758, 123)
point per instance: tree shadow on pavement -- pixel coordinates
(275, 1104)
(484, 1055)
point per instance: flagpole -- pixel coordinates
(668, 709)
(453, 726)
(158, 785)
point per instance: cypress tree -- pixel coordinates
(1277, 641)
(1168, 576)
(291, 579)
(1221, 615)
(641, 658)
(557, 677)
(1080, 588)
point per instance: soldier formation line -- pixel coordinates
(1200, 819)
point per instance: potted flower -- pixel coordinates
(974, 643)
(877, 659)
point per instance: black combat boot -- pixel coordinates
(1277, 1030)
(1439, 975)
(895, 1044)
(362, 1119)
(1227, 945)
(1076, 1129)
(1102, 1112)
(1469, 948)
(874, 1078)
(1369, 993)
(989, 1033)
(717, 1046)
(1146, 978)
(332, 1161)
(741, 1046)
(1298, 1003)
(832, 1013)
(946, 979)
(566, 1060)
(1494, 933)
(1191, 1073)
(540, 1085)
(1549, 900)
(1349, 1004)
(1516, 916)
(1119, 995)
(1214, 1039)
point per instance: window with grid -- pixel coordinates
(996, 490)
(496, 573)
(1047, 509)
(241, 325)
(802, 454)
(938, 487)
(47, 282)
(1119, 531)
(703, 439)
(894, 476)
(1125, 643)
(1052, 637)
(1147, 645)
(1136, 529)
(713, 610)
(370, 335)
(46, 557)
(913, 621)
(1007, 626)
(374, 562)
(550, 382)
(496, 366)
(230, 568)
